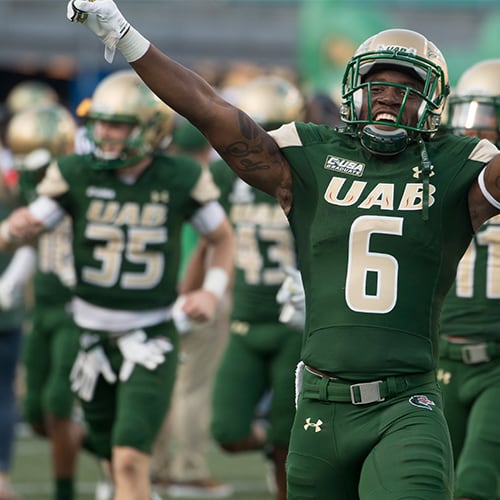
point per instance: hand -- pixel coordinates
(22, 226)
(106, 21)
(181, 321)
(89, 364)
(197, 306)
(200, 305)
(137, 349)
(292, 298)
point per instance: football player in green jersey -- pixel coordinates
(262, 353)
(469, 366)
(35, 136)
(381, 211)
(128, 205)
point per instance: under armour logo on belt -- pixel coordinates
(317, 425)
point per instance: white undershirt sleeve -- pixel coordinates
(208, 217)
(47, 210)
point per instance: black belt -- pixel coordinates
(329, 388)
(469, 354)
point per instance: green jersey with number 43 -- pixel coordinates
(264, 245)
(375, 271)
(126, 236)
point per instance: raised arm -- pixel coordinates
(244, 145)
(484, 194)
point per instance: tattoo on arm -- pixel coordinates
(251, 150)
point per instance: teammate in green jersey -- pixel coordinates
(35, 136)
(469, 365)
(262, 352)
(128, 205)
(381, 211)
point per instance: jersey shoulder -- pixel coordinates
(304, 134)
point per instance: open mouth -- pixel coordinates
(385, 117)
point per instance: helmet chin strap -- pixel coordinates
(383, 142)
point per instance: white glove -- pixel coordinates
(299, 376)
(106, 21)
(292, 299)
(181, 320)
(89, 364)
(138, 350)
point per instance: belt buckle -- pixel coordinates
(474, 354)
(369, 392)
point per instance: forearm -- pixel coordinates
(216, 257)
(192, 97)
(182, 89)
(195, 270)
(221, 250)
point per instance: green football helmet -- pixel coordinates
(123, 97)
(408, 52)
(474, 104)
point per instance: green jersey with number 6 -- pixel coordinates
(126, 236)
(375, 269)
(264, 246)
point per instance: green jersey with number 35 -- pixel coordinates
(374, 270)
(126, 236)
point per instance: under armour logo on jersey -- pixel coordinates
(417, 172)
(421, 402)
(162, 196)
(317, 425)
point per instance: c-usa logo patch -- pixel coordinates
(343, 165)
(422, 401)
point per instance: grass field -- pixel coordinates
(31, 473)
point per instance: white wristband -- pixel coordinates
(215, 281)
(493, 201)
(133, 45)
(5, 233)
